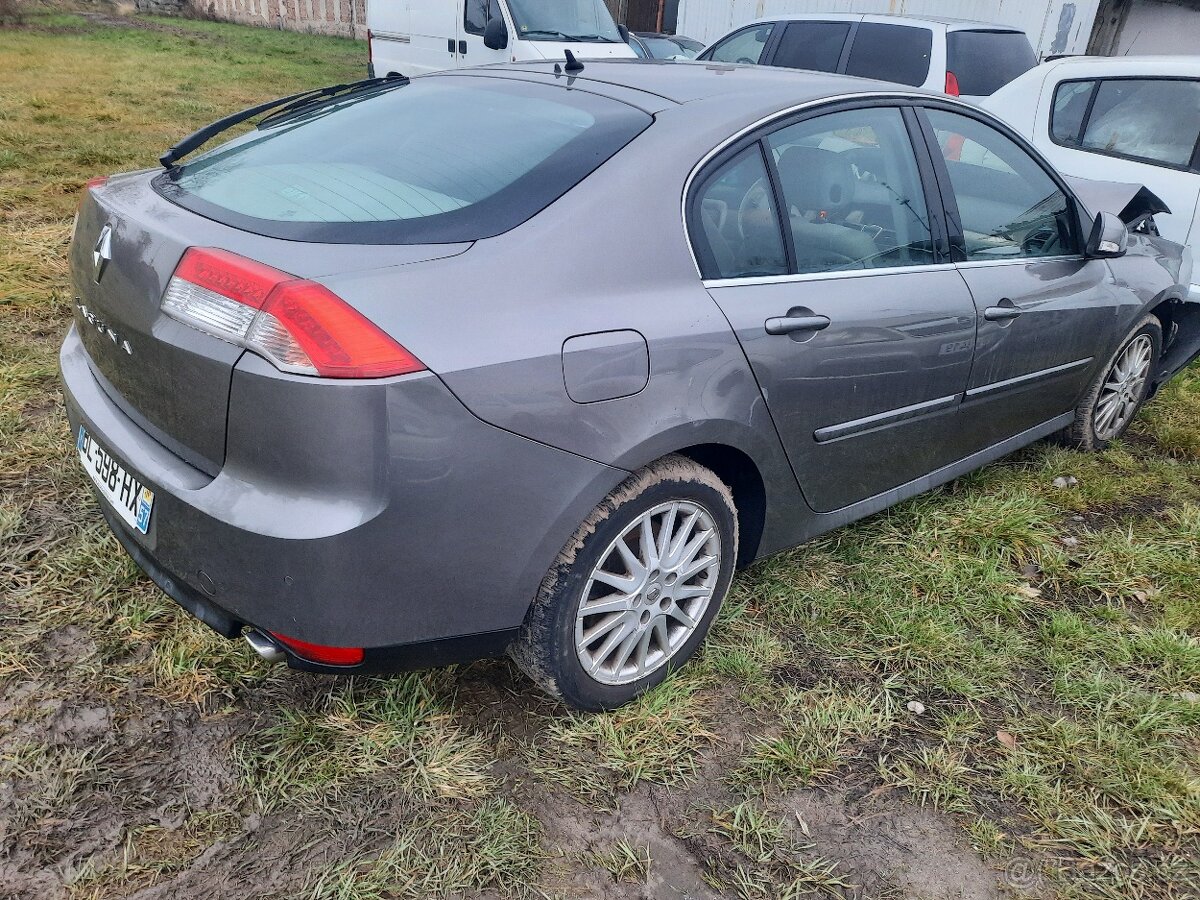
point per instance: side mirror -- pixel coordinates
(623, 32)
(1109, 237)
(495, 34)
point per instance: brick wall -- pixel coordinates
(347, 18)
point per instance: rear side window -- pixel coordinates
(985, 61)
(1153, 119)
(898, 53)
(738, 233)
(812, 45)
(443, 159)
(745, 46)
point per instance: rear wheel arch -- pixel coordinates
(741, 475)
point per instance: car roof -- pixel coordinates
(1129, 65)
(950, 24)
(687, 81)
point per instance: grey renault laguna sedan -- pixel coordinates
(531, 358)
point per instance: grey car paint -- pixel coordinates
(428, 507)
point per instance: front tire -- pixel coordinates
(635, 590)
(1119, 390)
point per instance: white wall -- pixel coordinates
(1053, 26)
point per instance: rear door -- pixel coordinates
(819, 244)
(1045, 313)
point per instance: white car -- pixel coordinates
(413, 37)
(967, 59)
(1130, 119)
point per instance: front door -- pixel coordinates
(474, 19)
(817, 244)
(1041, 305)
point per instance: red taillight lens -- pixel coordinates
(952, 84)
(319, 653)
(299, 325)
(98, 181)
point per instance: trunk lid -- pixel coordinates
(171, 379)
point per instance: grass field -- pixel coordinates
(990, 691)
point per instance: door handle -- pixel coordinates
(462, 48)
(449, 45)
(791, 324)
(1003, 312)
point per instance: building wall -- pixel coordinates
(1053, 26)
(347, 18)
(1159, 26)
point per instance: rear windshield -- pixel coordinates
(898, 53)
(443, 159)
(985, 61)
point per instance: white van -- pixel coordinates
(411, 37)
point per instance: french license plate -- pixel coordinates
(132, 500)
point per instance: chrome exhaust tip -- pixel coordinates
(264, 646)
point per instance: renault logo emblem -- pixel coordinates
(102, 252)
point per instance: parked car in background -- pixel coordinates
(366, 384)
(652, 45)
(418, 36)
(1133, 119)
(967, 59)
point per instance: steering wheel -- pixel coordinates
(756, 204)
(745, 61)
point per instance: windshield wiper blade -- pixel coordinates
(557, 34)
(597, 37)
(282, 106)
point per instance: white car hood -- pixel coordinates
(583, 50)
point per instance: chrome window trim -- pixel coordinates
(1026, 260)
(823, 276)
(912, 96)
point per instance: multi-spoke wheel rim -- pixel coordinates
(1122, 390)
(648, 593)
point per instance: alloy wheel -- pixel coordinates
(648, 593)
(1123, 388)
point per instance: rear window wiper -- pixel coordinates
(282, 106)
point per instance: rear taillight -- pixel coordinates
(299, 325)
(952, 84)
(320, 653)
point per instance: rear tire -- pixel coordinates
(1118, 392)
(633, 593)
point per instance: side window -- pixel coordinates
(853, 192)
(811, 45)
(898, 53)
(1009, 206)
(1070, 105)
(1154, 119)
(735, 227)
(477, 13)
(745, 46)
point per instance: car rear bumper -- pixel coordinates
(380, 515)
